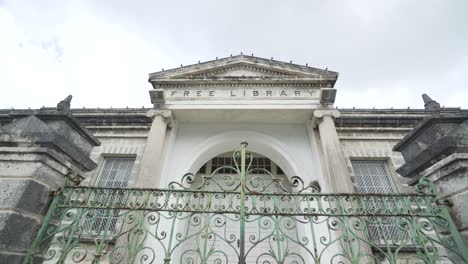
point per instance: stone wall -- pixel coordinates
(437, 148)
(40, 151)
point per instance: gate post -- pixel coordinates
(39, 151)
(437, 149)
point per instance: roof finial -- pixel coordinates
(64, 105)
(430, 104)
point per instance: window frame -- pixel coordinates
(98, 172)
(102, 161)
(388, 168)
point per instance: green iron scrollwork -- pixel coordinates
(246, 216)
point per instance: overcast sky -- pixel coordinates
(387, 52)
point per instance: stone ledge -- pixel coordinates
(426, 123)
(33, 130)
(421, 155)
(54, 115)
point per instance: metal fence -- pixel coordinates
(246, 217)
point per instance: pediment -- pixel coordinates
(243, 70)
(243, 67)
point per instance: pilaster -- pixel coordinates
(150, 167)
(339, 177)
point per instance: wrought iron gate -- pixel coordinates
(249, 216)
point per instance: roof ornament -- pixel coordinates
(430, 104)
(64, 105)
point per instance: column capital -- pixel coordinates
(165, 114)
(319, 114)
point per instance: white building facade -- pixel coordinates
(202, 114)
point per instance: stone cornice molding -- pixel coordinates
(319, 114)
(242, 82)
(166, 115)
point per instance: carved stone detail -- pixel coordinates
(166, 116)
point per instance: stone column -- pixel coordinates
(39, 152)
(339, 177)
(150, 167)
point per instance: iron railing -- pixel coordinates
(246, 217)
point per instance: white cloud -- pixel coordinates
(387, 52)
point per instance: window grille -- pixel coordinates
(372, 176)
(257, 162)
(219, 162)
(260, 163)
(115, 173)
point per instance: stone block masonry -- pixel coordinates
(39, 152)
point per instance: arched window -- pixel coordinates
(226, 159)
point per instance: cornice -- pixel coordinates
(172, 83)
(350, 118)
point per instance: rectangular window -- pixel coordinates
(115, 173)
(372, 176)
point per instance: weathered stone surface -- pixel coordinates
(25, 195)
(17, 259)
(58, 135)
(437, 148)
(434, 139)
(38, 151)
(17, 231)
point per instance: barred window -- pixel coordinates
(373, 176)
(115, 173)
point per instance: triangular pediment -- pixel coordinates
(243, 67)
